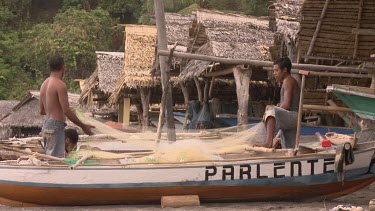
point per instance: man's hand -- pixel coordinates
(87, 129)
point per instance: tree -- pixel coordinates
(74, 34)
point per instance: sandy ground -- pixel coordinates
(359, 198)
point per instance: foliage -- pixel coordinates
(128, 11)
(74, 34)
(29, 34)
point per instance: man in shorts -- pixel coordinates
(53, 102)
(284, 116)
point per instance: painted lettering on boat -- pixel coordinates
(270, 170)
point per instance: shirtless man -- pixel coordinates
(284, 116)
(53, 103)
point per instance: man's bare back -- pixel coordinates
(49, 97)
(54, 101)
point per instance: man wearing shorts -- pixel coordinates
(53, 102)
(284, 116)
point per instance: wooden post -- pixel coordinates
(199, 89)
(317, 29)
(145, 98)
(242, 79)
(303, 73)
(206, 90)
(164, 68)
(126, 112)
(120, 117)
(185, 92)
(211, 87)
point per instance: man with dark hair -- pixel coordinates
(53, 102)
(284, 116)
(71, 140)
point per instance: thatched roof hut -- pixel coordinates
(6, 107)
(347, 30)
(284, 19)
(140, 52)
(26, 113)
(91, 84)
(228, 36)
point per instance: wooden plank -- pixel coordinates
(180, 201)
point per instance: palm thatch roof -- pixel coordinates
(6, 107)
(87, 93)
(228, 36)
(347, 27)
(140, 52)
(109, 66)
(285, 16)
(26, 113)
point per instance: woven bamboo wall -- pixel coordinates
(336, 37)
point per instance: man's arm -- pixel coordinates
(288, 95)
(64, 102)
(41, 107)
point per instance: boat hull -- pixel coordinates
(275, 178)
(110, 196)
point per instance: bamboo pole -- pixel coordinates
(258, 63)
(167, 89)
(303, 73)
(358, 27)
(317, 29)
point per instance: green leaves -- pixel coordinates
(74, 34)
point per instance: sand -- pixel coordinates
(359, 198)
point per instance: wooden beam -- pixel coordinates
(370, 32)
(330, 74)
(126, 112)
(358, 27)
(326, 108)
(164, 68)
(225, 71)
(257, 63)
(317, 29)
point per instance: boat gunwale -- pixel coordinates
(197, 163)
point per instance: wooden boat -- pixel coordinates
(245, 178)
(360, 99)
(328, 173)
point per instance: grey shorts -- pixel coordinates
(286, 121)
(54, 138)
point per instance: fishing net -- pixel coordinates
(194, 146)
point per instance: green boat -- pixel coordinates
(360, 99)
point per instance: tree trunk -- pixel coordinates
(242, 79)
